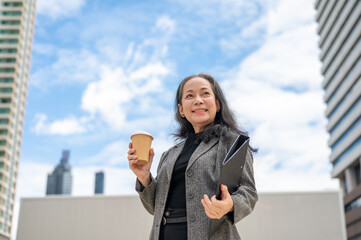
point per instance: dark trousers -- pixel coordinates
(173, 231)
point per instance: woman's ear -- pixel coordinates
(180, 108)
(218, 105)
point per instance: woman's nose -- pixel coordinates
(198, 100)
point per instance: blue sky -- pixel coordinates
(101, 70)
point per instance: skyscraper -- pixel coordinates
(60, 180)
(340, 42)
(99, 183)
(16, 34)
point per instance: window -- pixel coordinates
(354, 204)
(5, 100)
(12, 4)
(2, 143)
(4, 121)
(9, 31)
(5, 90)
(7, 70)
(7, 60)
(8, 50)
(10, 22)
(4, 110)
(6, 80)
(9, 41)
(3, 132)
(10, 13)
(357, 174)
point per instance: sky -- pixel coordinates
(103, 69)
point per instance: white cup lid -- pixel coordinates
(141, 132)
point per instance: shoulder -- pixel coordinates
(177, 145)
(229, 136)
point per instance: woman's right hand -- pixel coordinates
(141, 171)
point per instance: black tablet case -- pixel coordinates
(231, 172)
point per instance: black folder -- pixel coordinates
(231, 172)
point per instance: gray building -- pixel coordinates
(99, 183)
(277, 216)
(340, 43)
(60, 180)
(16, 36)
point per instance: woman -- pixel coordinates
(181, 197)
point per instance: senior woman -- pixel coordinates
(182, 195)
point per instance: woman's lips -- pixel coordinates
(200, 110)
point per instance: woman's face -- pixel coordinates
(199, 105)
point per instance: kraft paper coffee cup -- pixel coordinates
(141, 143)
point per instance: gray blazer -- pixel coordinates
(201, 178)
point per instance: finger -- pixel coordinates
(211, 208)
(225, 192)
(151, 154)
(132, 157)
(133, 163)
(207, 210)
(131, 151)
(130, 145)
(207, 201)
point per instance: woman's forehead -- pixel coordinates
(197, 83)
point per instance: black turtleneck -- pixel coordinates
(176, 196)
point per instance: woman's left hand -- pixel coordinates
(215, 208)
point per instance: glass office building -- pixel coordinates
(16, 34)
(340, 43)
(60, 180)
(99, 183)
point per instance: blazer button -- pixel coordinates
(166, 213)
(191, 196)
(189, 174)
(192, 218)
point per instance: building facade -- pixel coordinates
(340, 43)
(277, 216)
(60, 180)
(99, 183)
(16, 33)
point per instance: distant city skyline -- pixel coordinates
(60, 180)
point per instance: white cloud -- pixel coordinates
(70, 66)
(67, 126)
(165, 24)
(277, 91)
(115, 88)
(58, 8)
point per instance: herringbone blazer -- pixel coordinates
(201, 178)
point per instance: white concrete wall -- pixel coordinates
(277, 216)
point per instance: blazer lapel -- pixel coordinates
(173, 156)
(201, 149)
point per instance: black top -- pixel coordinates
(177, 196)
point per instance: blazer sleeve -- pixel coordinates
(147, 194)
(245, 197)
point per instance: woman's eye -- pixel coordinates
(188, 95)
(206, 93)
